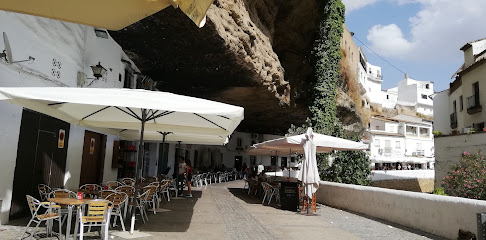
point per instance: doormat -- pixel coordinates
(127, 235)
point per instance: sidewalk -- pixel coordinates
(225, 211)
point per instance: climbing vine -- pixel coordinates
(347, 167)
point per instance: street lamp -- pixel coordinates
(98, 70)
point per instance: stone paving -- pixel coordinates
(226, 211)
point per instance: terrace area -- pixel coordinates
(226, 211)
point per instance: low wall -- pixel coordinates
(378, 175)
(414, 185)
(435, 214)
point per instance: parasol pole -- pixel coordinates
(161, 161)
(139, 158)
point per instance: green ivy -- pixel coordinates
(348, 166)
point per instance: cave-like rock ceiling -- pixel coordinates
(251, 53)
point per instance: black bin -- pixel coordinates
(289, 196)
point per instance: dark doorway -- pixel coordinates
(283, 162)
(238, 162)
(41, 159)
(93, 158)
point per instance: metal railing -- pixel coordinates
(453, 118)
(473, 101)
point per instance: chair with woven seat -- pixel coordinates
(49, 215)
(63, 193)
(269, 191)
(164, 190)
(119, 200)
(44, 191)
(95, 213)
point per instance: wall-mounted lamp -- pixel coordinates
(98, 71)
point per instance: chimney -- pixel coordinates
(406, 75)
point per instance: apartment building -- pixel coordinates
(401, 140)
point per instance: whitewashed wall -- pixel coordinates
(61, 51)
(449, 149)
(9, 137)
(436, 214)
(441, 112)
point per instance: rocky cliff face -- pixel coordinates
(251, 53)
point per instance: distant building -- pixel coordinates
(403, 139)
(458, 111)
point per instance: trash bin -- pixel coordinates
(289, 196)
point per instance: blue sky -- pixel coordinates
(420, 37)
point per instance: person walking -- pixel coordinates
(180, 175)
(245, 171)
(189, 178)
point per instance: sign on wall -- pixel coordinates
(60, 140)
(92, 146)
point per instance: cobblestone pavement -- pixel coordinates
(226, 211)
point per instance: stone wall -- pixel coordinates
(414, 185)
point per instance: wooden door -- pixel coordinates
(39, 159)
(93, 158)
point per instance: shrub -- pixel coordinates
(437, 133)
(439, 191)
(467, 178)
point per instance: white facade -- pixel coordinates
(63, 55)
(403, 139)
(416, 93)
(389, 98)
(461, 104)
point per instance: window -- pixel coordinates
(397, 144)
(239, 140)
(387, 97)
(377, 127)
(427, 86)
(274, 160)
(101, 33)
(424, 96)
(377, 142)
(461, 106)
(292, 159)
(454, 106)
(253, 160)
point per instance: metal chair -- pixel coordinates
(95, 213)
(63, 193)
(151, 199)
(140, 204)
(128, 181)
(44, 191)
(112, 185)
(34, 207)
(164, 190)
(269, 191)
(92, 187)
(119, 200)
(105, 193)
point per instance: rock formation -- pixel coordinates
(251, 53)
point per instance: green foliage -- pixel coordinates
(348, 166)
(437, 133)
(467, 178)
(439, 191)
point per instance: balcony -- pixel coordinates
(388, 151)
(418, 153)
(473, 105)
(453, 120)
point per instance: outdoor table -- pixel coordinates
(70, 202)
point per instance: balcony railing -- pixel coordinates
(473, 105)
(453, 120)
(418, 153)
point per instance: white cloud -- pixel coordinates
(437, 31)
(384, 38)
(357, 4)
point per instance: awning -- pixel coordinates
(108, 14)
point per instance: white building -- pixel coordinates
(416, 94)
(401, 139)
(458, 111)
(64, 53)
(463, 101)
